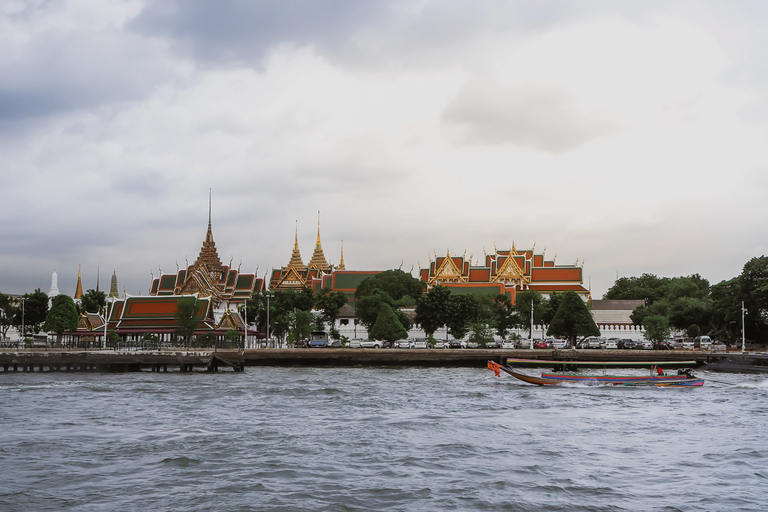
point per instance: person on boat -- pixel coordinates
(659, 371)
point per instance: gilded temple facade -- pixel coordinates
(504, 272)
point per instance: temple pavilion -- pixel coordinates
(218, 289)
(504, 272)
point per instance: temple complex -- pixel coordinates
(504, 272)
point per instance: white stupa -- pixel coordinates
(54, 291)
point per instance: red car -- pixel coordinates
(541, 344)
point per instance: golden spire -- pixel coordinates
(296, 255)
(341, 263)
(79, 289)
(318, 260)
(209, 256)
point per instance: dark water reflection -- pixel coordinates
(377, 439)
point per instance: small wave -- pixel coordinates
(181, 462)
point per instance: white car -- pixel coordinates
(420, 344)
(403, 344)
(356, 343)
(611, 344)
(560, 344)
(371, 344)
(508, 344)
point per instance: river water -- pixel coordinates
(373, 439)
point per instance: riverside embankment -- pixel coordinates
(213, 360)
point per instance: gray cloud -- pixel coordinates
(61, 68)
(542, 117)
(244, 31)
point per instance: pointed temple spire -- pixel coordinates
(79, 289)
(318, 260)
(296, 262)
(113, 286)
(341, 263)
(209, 256)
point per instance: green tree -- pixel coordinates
(387, 326)
(92, 301)
(505, 316)
(368, 307)
(656, 328)
(301, 327)
(726, 298)
(7, 314)
(62, 317)
(283, 306)
(482, 335)
(400, 286)
(754, 290)
(647, 287)
(32, 311)
(330, 303)
(232, 338)
(431, 309)
(572, 319)
(462, 309)
(685, 311)
(523, 309)
(187, 318)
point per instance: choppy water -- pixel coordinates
(359, 439)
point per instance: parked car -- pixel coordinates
(508, 344)
(611, 344)
(334, 344)
(541, 344)
(628, 344)
(371, 344)
(355, 343)
(317, 344)
(591, 342)
(560, 344)
(702, 342)
(663, 345)
(441, 344)
(525, 343)
(420, 344)
(457, 344)
(403, 344)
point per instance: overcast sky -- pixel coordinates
(628, 136)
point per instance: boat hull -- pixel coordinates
(634, 381)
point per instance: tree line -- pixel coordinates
(693, 306)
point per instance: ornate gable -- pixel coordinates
(510, 271)
(448, 272)
(292, 278)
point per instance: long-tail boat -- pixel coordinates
(656, 377)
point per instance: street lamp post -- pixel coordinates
(23, 326)
(245, 320)
(743, 334)
(268, 296)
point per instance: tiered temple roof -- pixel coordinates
(504, 271)
(208, 277)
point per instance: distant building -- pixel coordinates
(504, 272)
(613, 318)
